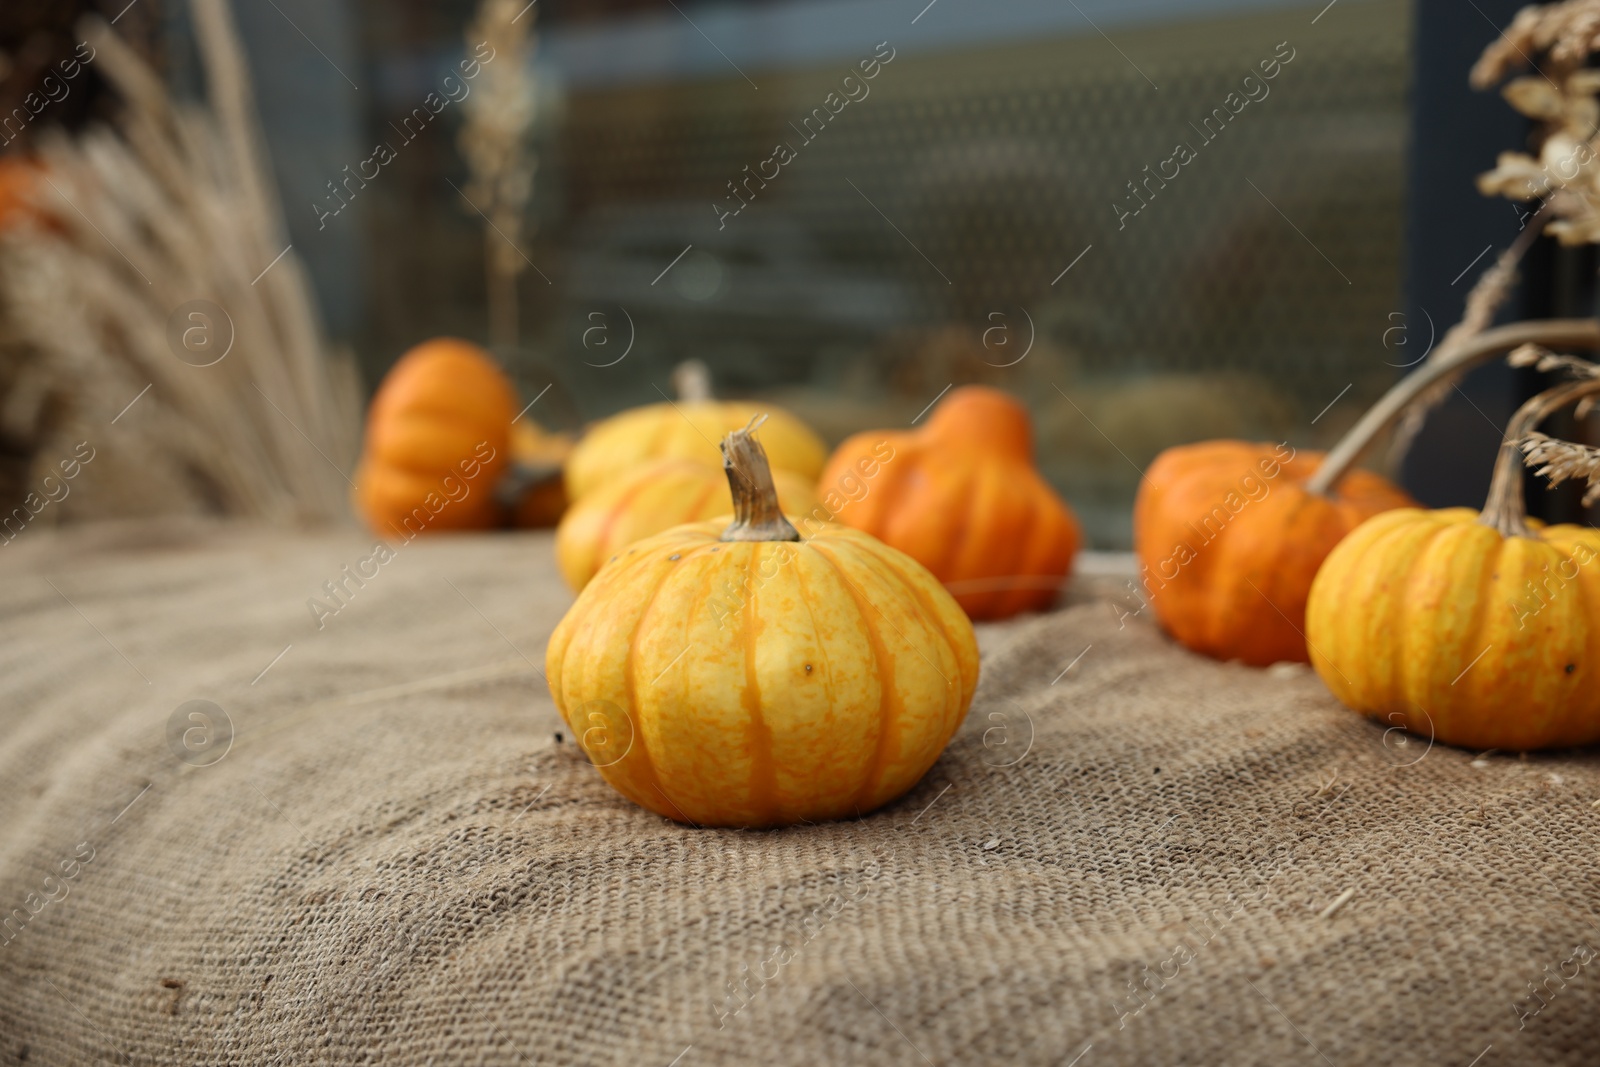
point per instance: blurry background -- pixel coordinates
(963, 222)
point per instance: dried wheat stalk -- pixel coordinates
(1540, 358)
(1490, 291)
(494, 141)
(1557, 460)
(175, 204)
(1563, 96)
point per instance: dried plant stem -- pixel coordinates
(1488, 293)
(1541, 358)
(232, 99)
(1560, 460)
(504, 327)
(691, 380)
(1551, 333)
(495, 142)
(1506, 510)
(1494, 285)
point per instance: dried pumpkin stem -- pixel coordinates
(691, 380)
(1551, 333)
(1506, 510)
(756, 514)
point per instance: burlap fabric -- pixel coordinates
(1150, 858)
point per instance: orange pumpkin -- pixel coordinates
(961, 497)
(1199, 576)
(1229, 539)
(438, 440)
(653, 497)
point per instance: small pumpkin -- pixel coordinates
(961, 496)
(1229, 538)
(659, 494)
(687, 429)
(438, 440)
(736, 675)
(1477, 629)
(1194, 584)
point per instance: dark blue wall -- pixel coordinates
(1456, 134)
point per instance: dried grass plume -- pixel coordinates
(173, 204)
(1559, 461)
(494, 142)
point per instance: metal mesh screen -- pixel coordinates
(926, 227)
(923, 236)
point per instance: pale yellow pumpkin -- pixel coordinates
(687, 429)
(655, 496)
(735, 675)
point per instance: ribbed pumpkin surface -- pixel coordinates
(443, 412)
(962, 497)
(1229, 541)
(1433, 621)
(762, 683)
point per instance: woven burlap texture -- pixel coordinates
(1143, 858)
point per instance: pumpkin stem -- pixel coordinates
(756, 514)
(1550, 333)
(1506, 510)
(691, 380)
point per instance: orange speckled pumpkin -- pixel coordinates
(961, 496)
(1480, 630)
(688, 429)
(734, 675)
(437, 442)
(1229, 540)
(653, 497)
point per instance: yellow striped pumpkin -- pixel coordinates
(735, 675)
(1434, 621)
(1478, 629)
